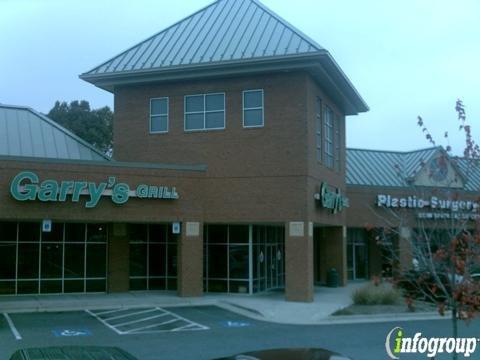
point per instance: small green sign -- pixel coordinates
(26, 186)
(333, 200)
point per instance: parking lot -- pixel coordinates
(122, 327)
(198, 333)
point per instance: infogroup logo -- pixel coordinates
(397, 343)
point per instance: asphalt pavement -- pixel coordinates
(202, 332)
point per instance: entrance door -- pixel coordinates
(357, 254)
(360, 256)
(272, 266)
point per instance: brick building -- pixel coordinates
(229, 171)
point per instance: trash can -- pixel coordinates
(332, 278)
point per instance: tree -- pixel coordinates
(439, 260)
(93, 126)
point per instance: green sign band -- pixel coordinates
(333, 200)
(26, 186)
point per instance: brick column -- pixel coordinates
(190, 260)
(335, 247)
(299, 261)
(118, 259)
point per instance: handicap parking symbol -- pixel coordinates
(236, 324)
(71, 333)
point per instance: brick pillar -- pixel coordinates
(335, 247)
(118, 259)
(190, 260)
(299, 261)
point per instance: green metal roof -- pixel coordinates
(225, 38)
(396, 169)
(27, 133)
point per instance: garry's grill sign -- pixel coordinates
(26, 186)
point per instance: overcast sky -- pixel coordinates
(405, 57)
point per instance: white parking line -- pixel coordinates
(129, 314)
(184, 327)
(104, 322)
(108, 312)
(12, 327)
(151, 316)
(151, 326)
(186, 320)
(140, 320)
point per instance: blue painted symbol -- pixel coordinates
(71, 333)
(236, 324)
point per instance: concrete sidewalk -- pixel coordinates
(270, 306)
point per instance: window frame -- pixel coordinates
(255, 108)
(204, 112)
(329, 127)
(337, 144)
(319, 129)
(159, 115)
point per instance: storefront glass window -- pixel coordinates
(59, 261)
(244, 247)
(153, 257)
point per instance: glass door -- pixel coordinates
(357, 254)
(360, 254)
(272, 268)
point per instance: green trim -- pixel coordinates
(112, 163)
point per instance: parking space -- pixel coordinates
(144, 321)
(144, 332)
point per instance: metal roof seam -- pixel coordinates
(261, 36)
(251, 36)
(279, 41)
(244, 32)
(232, 31)
(18, 138)
(186, 37)
(210, 34)
(288, 25)
(220, 27)
(270, 38)
(249, 4)
(197, 36)
(204, 32)
(133, 53)
(152, 49)
(153, 36)
(164, 47)
(31, 135)
(177, 37)
(289, 41)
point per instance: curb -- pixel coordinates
(229, 306)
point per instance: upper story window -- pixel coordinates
(205, 112)
(337, 144)
(318, 129)
(159, 115)
(329, 133)
(253, 108)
